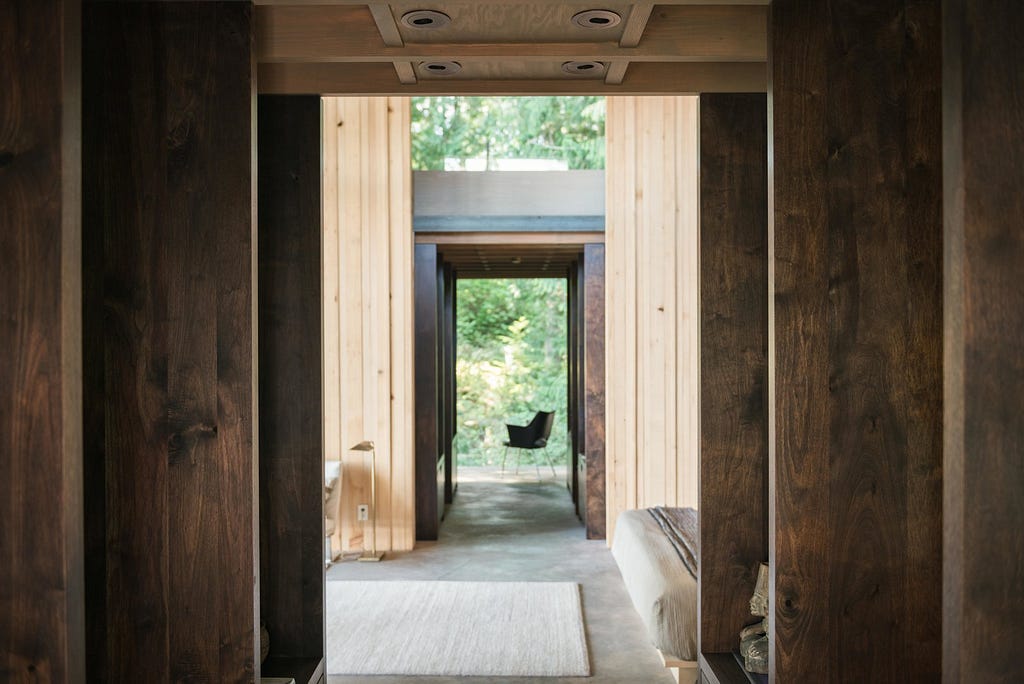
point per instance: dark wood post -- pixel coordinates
(429, 504)
(593, 391)
(856, 460)
(291, 435)
(983, 118)
(733, 362)
(169, 217)
(42, 629)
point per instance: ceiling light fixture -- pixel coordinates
(425, 19)
(596, 19)
(440, 68)
(584, 68)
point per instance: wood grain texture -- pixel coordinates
(857, 297)
(733, 498)
(168, 116)
(368, 276)
(984, 321)
(352, 36)
(574, 405)
(42, 628)
(593, 303)
(447, 360)
(429, 507)
(643, 78)
(403, 494)
(291, 441)
(652, 303)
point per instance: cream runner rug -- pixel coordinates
(503, 629)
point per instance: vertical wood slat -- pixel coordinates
(733, 292)
(652, 324)
(372, 273)
(687, 288)
(403, 528)
(291, 375)
(984, 324)
(352, 164)
(42, 628)
(857, 299)
(593, 304)
(169, 123)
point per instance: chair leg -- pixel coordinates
(548, 457)
(504, 456)
(536, 464)
(519, 458)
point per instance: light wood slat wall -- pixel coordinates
(652, 303)
(368, 244)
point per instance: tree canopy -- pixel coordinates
(566, 128)
(510, 362)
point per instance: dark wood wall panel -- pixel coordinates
(446, 351)
(573, 403)
(169, 91)
(593, 395)
(856, 462)
(734, 356)
(291, 434)
(42, 630)
(984, 328)
(429, 505)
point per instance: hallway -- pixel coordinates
(518, 529)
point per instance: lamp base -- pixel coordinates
(371, 557)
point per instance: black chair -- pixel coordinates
(532, 436)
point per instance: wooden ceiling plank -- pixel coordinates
(406, 73)
(673, 34)
(415, 4)
(293, 33)
(636, 22)
(641, 79)
(616, 72)
(386, 24)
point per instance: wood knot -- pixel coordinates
(180, 134)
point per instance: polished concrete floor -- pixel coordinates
(516, 528)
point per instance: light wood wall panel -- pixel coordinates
(652, 303)
(368, 245)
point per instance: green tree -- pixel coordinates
(511, 360)
(566, 128)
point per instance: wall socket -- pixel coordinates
(362, 512)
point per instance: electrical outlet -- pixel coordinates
(362, 512)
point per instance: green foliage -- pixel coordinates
(510, 363)
(567, 128)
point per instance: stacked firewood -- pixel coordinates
(754, 638)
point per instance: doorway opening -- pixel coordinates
(508, 197)
(511, 362)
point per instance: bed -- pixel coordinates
(656, 551)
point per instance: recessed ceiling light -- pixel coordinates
(440, 68)
(425, 19)
(584, 68)
(596, 19)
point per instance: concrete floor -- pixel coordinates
(516, 528)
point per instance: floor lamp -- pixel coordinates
(372, 554)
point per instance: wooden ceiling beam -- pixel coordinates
(392, 37)
(510, 239)
(416, 4)
(642, 79)
(351, 34)
(636, 22)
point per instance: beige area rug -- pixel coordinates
(502, 629)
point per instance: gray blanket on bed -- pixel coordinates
(680, 526)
